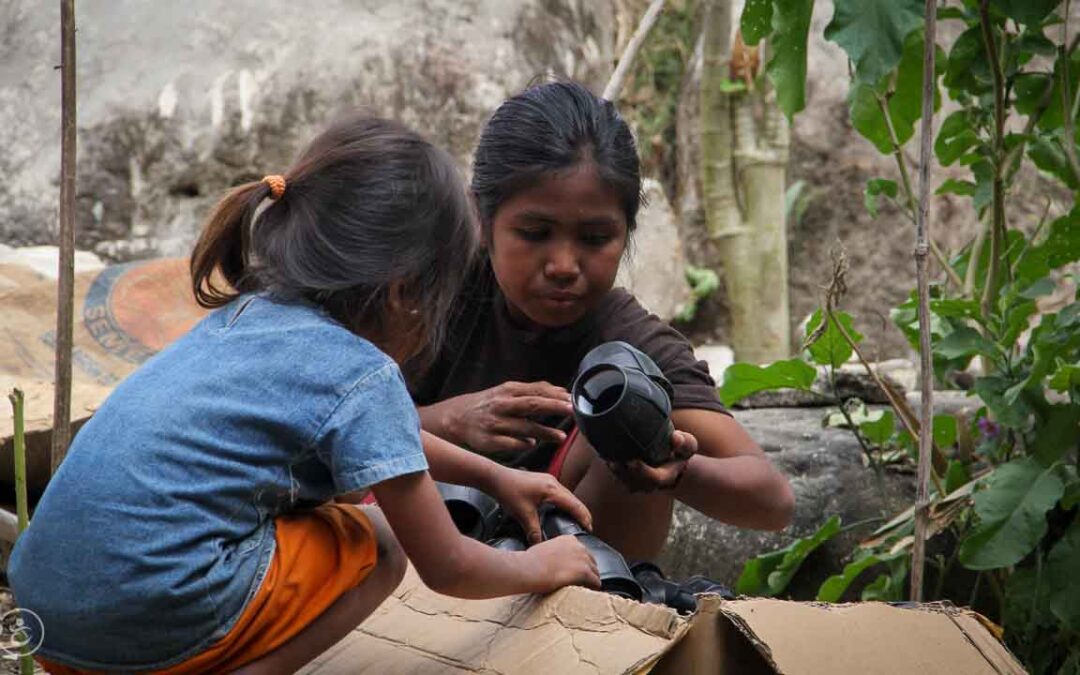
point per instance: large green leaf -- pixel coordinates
(743, 379)
(1012, 514)
(992, 391)
(1062, 566)
(787, 67)
(904, 100)
(944, 430)
(888, 587)
(1057, 434)
(830, 348)
(756, 20)
(1029, 12)
(832, 589)
(963, 342)
(968, 70)
(872, 32)
(1047, 152)
(769, 574)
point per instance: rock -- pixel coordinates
(719, 357)
(43, 260)
(176, 105)
(655, 270)
(828, 476)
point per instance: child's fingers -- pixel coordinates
(564, 499)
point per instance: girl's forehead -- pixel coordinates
(575, 192)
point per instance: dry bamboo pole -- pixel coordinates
(622, 70)
(922, 250)
(65, 302)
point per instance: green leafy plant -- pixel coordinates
(1004, 505)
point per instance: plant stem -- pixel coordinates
(999, 594)
(973, 262)
(879, 477)
(922, 237)
(905, 179)
(65, 293)
(903, 410)
(615, 84)
(997, 223)
(1068, 106)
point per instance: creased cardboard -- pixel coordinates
(574, 630)
(581, 631)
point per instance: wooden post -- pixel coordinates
(922, 250)
(65, 310)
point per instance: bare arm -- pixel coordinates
(730, 478)
(519, 492)
(452, 564)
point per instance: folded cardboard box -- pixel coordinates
(576, 630)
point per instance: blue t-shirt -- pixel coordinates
(159, 525)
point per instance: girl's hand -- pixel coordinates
(522, 492)
(500, 419)
(562, 561)
(640, 477)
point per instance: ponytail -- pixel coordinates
(222, 246)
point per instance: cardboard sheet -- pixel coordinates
(574, 630)
(580, 631)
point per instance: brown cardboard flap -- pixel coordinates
(574, 630)
(813, 638)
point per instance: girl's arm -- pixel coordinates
(519, 492)
(452, 564)
(730, 478)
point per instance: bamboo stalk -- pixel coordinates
(65, 302)
(19, 450)
(922, 249)
(22, 509)
(618, 78)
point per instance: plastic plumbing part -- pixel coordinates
(475, 514)
(615, 575)
(622, 403)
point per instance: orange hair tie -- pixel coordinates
(277, 186)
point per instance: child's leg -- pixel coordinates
(636, 524)
(348, 612)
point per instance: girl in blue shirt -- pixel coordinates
(193, 526)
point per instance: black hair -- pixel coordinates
(368, 203)
(548, 128)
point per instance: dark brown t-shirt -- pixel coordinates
(485, 348)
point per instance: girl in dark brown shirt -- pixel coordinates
(557, 182)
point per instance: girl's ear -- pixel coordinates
(398, 301)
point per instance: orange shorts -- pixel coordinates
(320, 555)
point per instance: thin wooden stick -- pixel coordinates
(922, 249)
(65, 302)
(618, 78)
